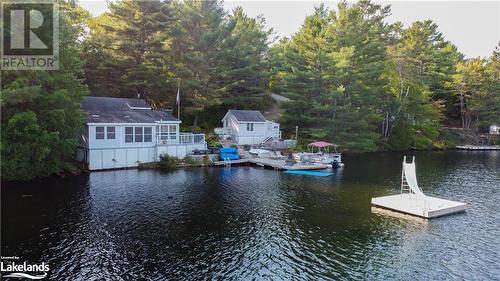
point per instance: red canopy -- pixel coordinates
(321, 144)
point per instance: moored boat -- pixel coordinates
(320, 152)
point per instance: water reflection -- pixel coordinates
(247, 222)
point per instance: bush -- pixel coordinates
(234, 146)
(192, 162)
(213, 141)
(168, 162)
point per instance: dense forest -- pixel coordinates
(351, 77)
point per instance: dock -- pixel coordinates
(271, 163)
(424, 207)
(413, 201)
(478, 147)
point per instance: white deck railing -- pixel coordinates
(182, 138)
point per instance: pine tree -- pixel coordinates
(130, 47)
(334, 74)
(41, 116)
(198, 51)
(245, 70)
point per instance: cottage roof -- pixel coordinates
(122, 110)
(248, 115)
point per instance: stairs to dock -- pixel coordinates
(470, 137)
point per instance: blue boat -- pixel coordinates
(228, 153)
(309, 173)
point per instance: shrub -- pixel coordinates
(168, 162)
(192, 161)
(213, 141)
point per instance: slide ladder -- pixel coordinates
(409, 179)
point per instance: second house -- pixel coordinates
(248, 127)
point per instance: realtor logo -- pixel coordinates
(30, 35)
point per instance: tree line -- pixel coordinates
(351, 77)
(370, 85)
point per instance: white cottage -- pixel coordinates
(248, 127)
(122, 133)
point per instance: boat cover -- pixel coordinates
(321, 144)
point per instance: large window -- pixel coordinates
(172, 132)
(99, 133)
(129, 134)
(138, 134)
(107, 132)
(110, 133)
(250, 127)
(167, 132)
(148, 134)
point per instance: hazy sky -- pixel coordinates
(473, 26)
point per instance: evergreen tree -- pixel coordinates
(245, 69)
(129, 46)
(433, 59)
(334, 74)
(41, 116)
(306, 79)
(416, 73)
(199, 49)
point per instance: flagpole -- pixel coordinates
(179, 99)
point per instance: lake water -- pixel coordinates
(252, 223)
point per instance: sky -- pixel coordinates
(473, 26)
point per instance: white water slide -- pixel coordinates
(413, 201)
(409, 179)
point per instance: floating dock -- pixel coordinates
(478, 147)
(272, 163)
(425, 207)
(413, 201)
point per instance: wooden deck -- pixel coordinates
(272, 163)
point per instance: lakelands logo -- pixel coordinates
(15, 269)
(30, 35)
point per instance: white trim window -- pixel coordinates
(167, 132)
(148, 134)
(129, 134)
(138, 134)
(111, 132)
(172, 132)
(250, 127)
(99, 132)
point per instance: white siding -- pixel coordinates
(114, 158)
(116, 153)
(242, 136)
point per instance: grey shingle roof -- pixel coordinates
(117, 110)
(248, 115)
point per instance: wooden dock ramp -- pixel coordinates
(272, 163)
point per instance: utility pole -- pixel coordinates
(296, 133)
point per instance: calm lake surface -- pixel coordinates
(252, 223)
